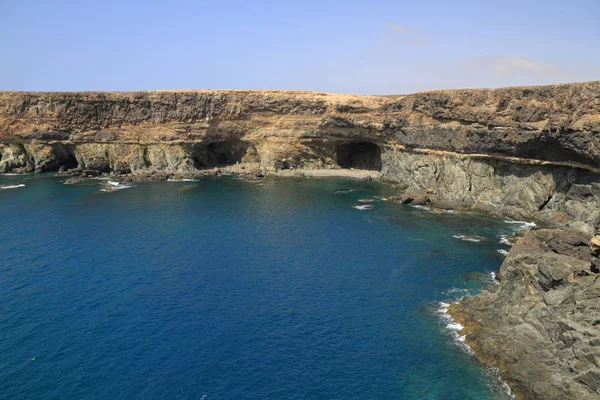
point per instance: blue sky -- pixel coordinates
(367, 47)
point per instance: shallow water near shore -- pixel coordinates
(226, 288)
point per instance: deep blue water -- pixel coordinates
(227, 289)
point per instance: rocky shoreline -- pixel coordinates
(540, 325)
(525, 153)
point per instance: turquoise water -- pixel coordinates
(233, 289)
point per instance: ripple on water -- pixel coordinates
(282, 292)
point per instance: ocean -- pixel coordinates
(231, 288)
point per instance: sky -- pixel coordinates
(343, 46)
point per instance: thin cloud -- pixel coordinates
(512, 65)
(409, 35)
(399, 29)
(508, 65)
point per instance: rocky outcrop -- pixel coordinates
(541, 325)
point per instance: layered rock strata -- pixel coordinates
(518, 151)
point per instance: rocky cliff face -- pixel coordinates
(531, 152)
(541, 325)
(517, 151)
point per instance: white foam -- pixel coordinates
(449, 211)
(344, 191)
(503, 252)
(456, 290)
(181, 180)
(12, 186)
(466, 238)
(523, 225)
(363, 207)
(504, 240)
(460, 340)
(455, 326)
(421, 207)
(112, 186)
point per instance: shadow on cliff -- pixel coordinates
(220, 154)
(359, 155)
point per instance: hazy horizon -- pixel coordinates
(378, 47)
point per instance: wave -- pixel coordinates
(463, 292)
(475, 239)
(504, 240)
(366, 200)
(112, 186)
(453, 327)
(345, 191)
(503, 252)
(523, 225)
(421, 207)
(182, 180)
(12, 186)
(363, 207)
(449, 211)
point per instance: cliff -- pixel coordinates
(541, 325)
(515, 151)
(525, 152)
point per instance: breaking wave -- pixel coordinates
(20, 185)
(466, 238)
(363, 207)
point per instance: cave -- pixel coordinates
(62, 155)
(359, 155)
(219, 154)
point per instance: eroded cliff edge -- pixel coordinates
(527, 152)
(519, 151)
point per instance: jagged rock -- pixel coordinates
(417, 199)
(595, 244)
(540, 324)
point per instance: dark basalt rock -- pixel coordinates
(541, 325)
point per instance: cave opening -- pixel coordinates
(359, 155)
(63, 155)
(219, 154)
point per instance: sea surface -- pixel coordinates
(226, 288)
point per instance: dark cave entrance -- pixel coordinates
(63, 155)
(219, 154)
(359, 155)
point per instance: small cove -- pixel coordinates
(230, 288)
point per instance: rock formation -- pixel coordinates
(526, 152)
(541, 325)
